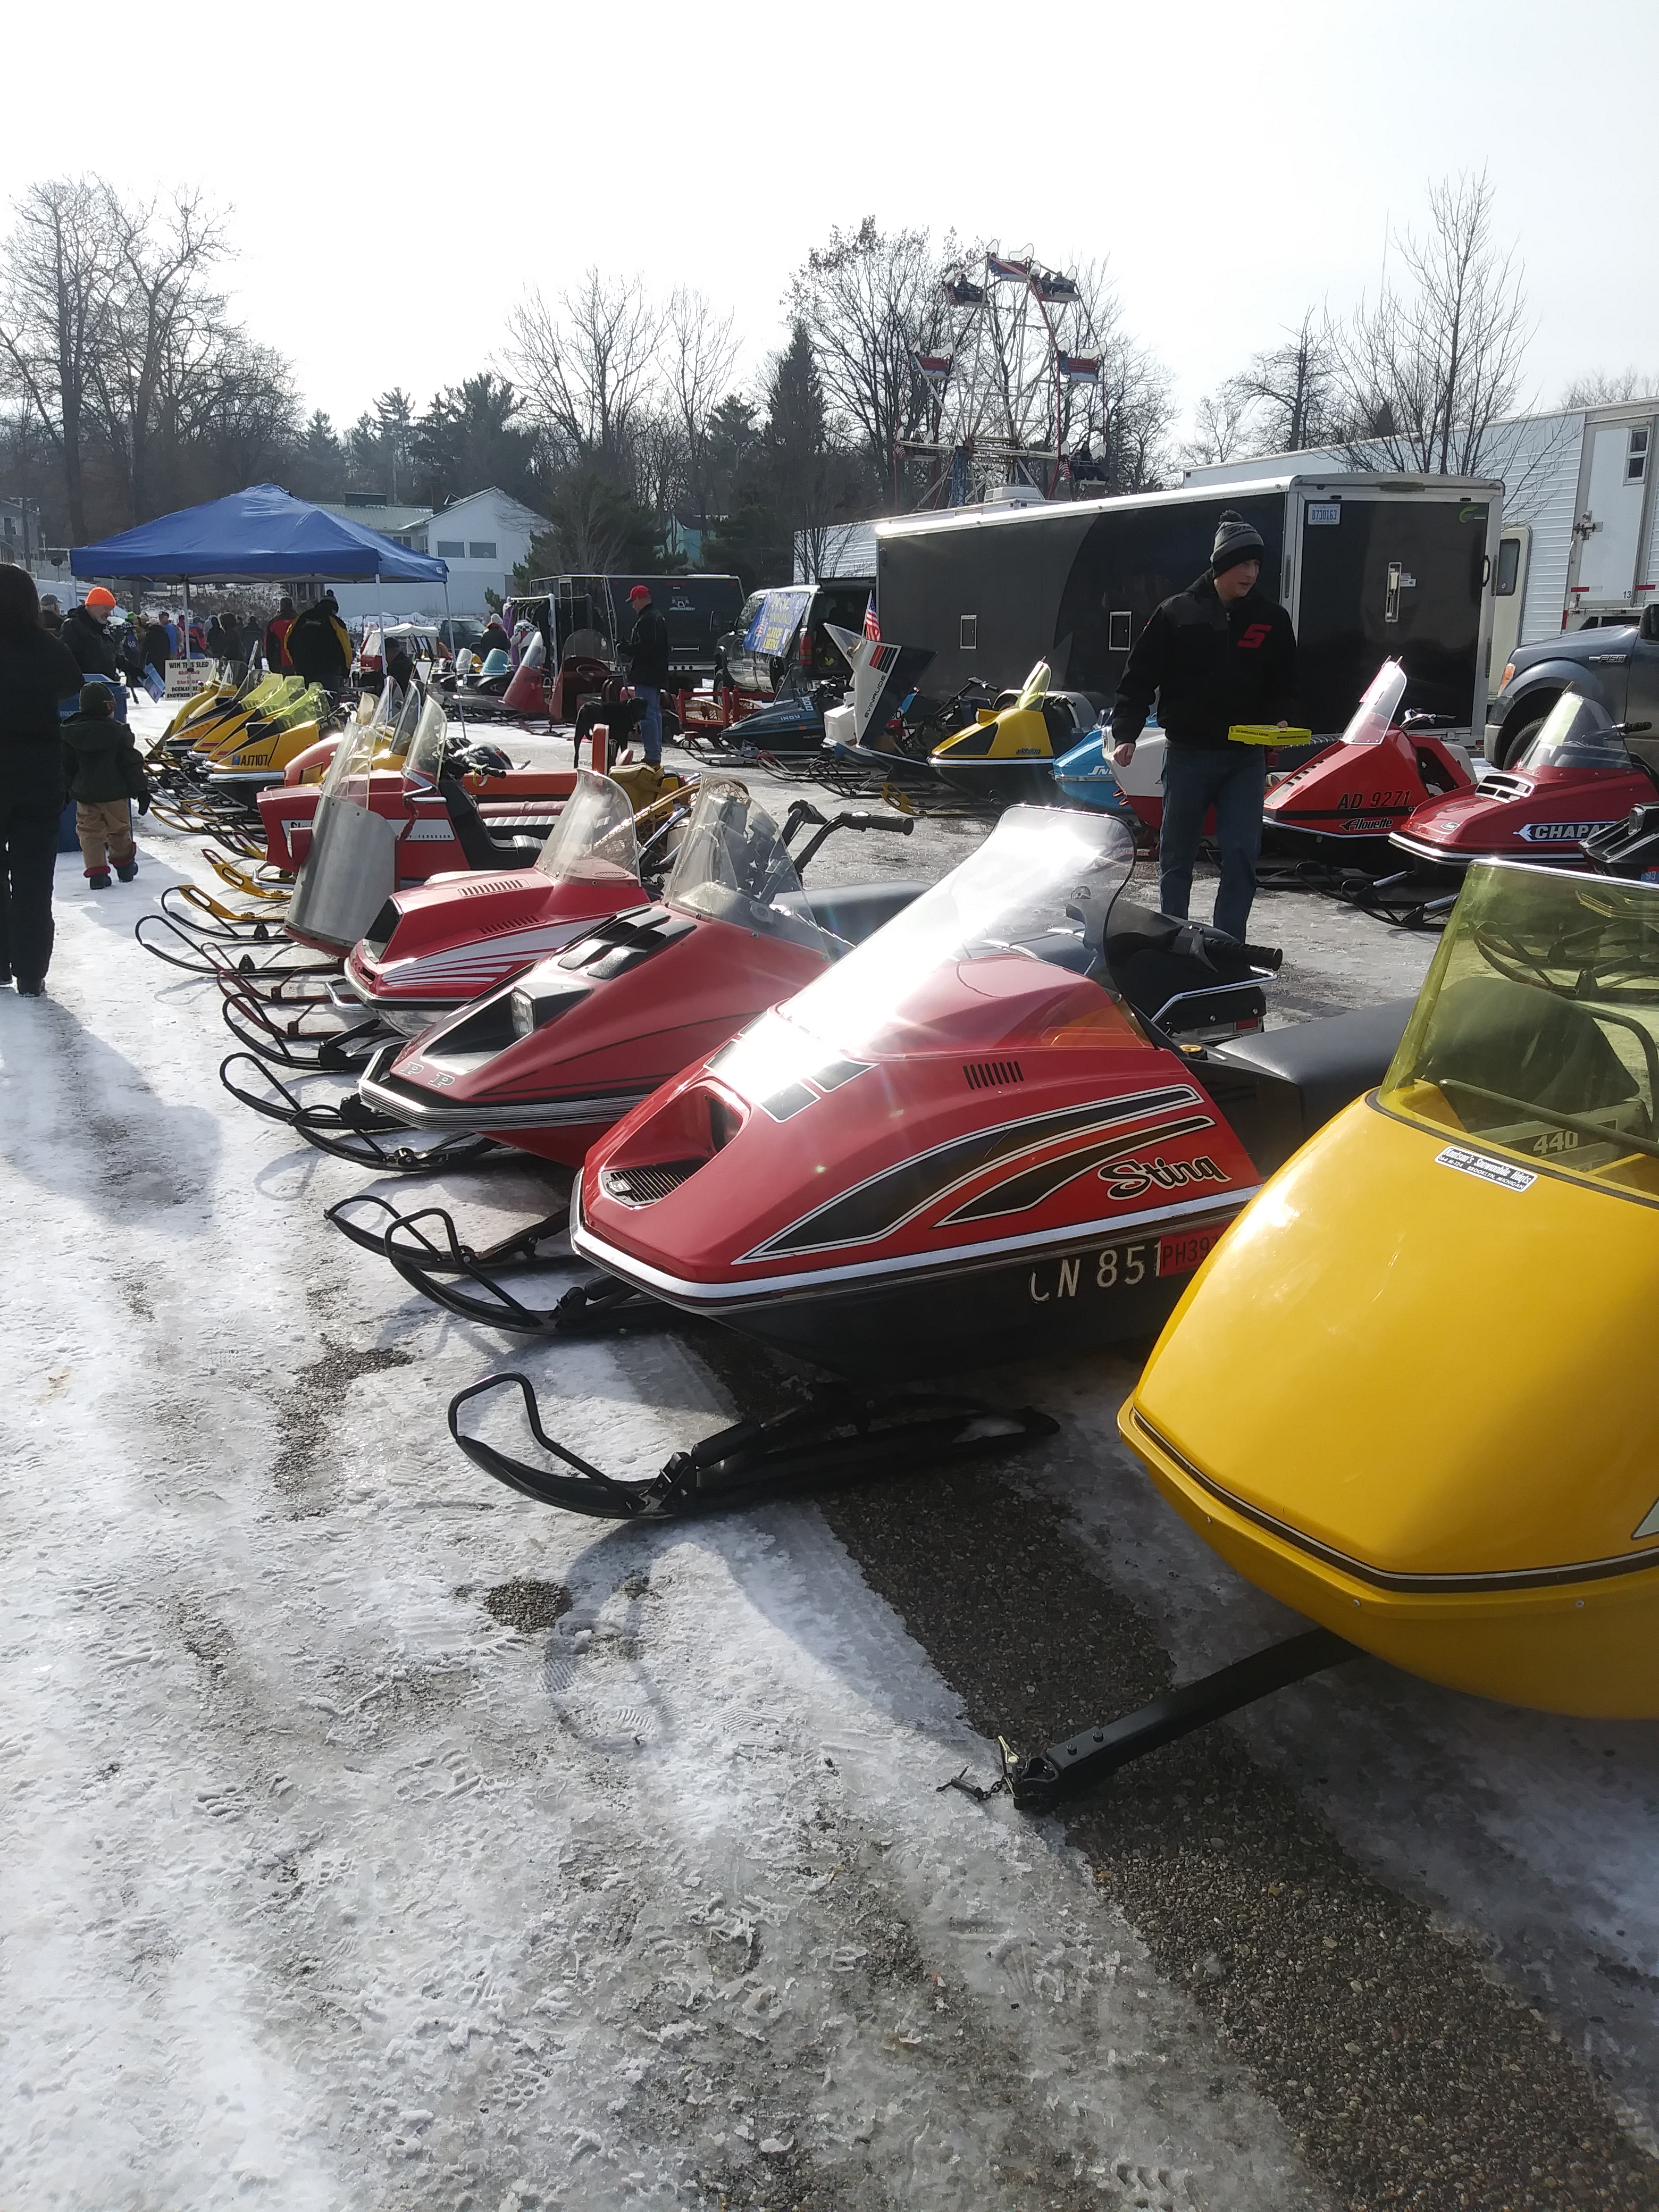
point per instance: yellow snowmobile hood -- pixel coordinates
(1016, 734)
(1481, 1510)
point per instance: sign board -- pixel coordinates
(186, 678)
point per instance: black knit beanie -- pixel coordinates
(1236, 540)
(97, 700)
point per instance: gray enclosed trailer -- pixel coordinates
(1371, 567)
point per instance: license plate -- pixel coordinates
(1180, 1254)
(1123, 1266)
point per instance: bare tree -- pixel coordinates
(871, 301)
(586, 372)
(165, 356)
(1287, 389)
(1220, 431)
(1607, 388)
(699, 349)
(1424, 374)
(56, 282)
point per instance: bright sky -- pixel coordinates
(398, 177)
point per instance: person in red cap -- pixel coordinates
(647, 668)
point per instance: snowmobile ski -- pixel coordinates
(836, 1435)
(291, 1038)
(199, 912)
(212, 956)
(347, 1129)
(453, 1255)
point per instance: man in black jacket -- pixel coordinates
(317, 645)
(1217, 654)
(86, 633)
(647, 668)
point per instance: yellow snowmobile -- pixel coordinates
(1492, 1523)
(262, 751)
(1006, 756)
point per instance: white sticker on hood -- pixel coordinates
(1489, 1170)
(1650, 1527)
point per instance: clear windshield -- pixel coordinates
(364, 743)
(731, 865)
(1575, 733)
(310, 704)
(1040, 886)
(1374, 716)
(593, 841)
(425, 756)
(387, 707)
(1537, 1031)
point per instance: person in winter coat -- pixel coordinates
(647, 668)
(36, 672)
(399, 668)
(1216, 654)
(85, 632)
(318, 645)
(103, 771)
(495, 639)
(157, 646)
(52, 615)
(276, 631)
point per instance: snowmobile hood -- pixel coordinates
(1491, 1521)
(1538, 814)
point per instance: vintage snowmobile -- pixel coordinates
(548, 1059)
(1582, 773)
(1014, 1121)
(1006, 758)
(1493, 1527)
(884, 678)
(1342, 807)
(432, 948)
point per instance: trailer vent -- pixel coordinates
(644, 1186)
(992, 1074)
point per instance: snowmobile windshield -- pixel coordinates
(425, 757)
(1575, 733)
(1039, 888)
(364, 743)
(1537, 1030)
(593, 841)
(732, 866)
(1373, 717)
(496, 663)
(1035, 687)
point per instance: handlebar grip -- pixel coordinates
(1264, 955)
(900, 824)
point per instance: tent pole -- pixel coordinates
(459, 709)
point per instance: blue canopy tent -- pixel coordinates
(263, 532)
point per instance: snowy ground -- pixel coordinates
(374, 1838)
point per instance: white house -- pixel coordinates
(482, 537)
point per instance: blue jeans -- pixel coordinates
(651, 727)
(1234, 782)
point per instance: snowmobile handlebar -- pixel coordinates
(803, 812)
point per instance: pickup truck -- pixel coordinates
(1617, 666)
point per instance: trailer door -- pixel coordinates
(1610, 525)
(1389, 576)
(1509, 599)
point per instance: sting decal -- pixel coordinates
(1127, 1178)
(1019, 1193)
(875, 1208)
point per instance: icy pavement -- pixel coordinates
(375, 1838)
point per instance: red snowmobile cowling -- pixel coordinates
(1582, 773)
(433, 947)
(547, 1063)
(974, 1138)
(1346, 802)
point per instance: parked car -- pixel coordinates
(1618, 666)
(780, 633)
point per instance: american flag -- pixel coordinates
(871, 627)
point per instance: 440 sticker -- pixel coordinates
(1123, 1266)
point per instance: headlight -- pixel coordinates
(524, 1014)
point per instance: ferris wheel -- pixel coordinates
(1018, 391)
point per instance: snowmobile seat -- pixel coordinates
(472, 834)
(855, 911)
(1278, 1086)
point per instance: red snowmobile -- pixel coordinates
(1341, 808)
(1014, 1121)
(1581, 775)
